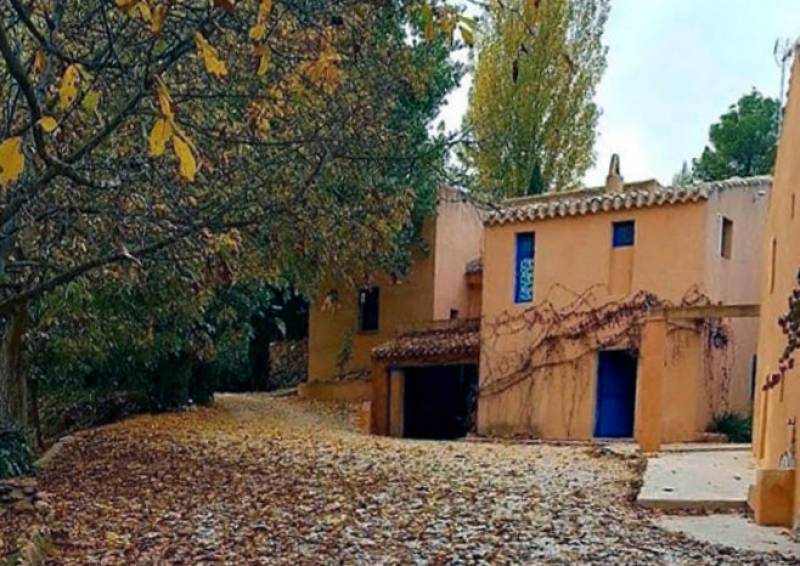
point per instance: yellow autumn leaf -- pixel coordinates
(325, 71)
(39, 62)
(467, 36)
(12, 160)
(47, 123)
(159, 136)
(187, 166)
(159, 16)
(126, 5)
(68, 90)
(91, 101)
(264, 58)
(257, 32)
(144, 11)
(214, 65)
(264, 8)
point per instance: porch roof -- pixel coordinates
(456, 340)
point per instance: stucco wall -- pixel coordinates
(574, 256)
(459, 234)
(406, 302)
(434, 285)
(775, 407)
(737, 280)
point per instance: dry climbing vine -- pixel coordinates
(549, 336)
(790, 326)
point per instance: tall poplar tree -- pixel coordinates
(532, 114)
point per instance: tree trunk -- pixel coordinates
(34, 414)
(13, 387)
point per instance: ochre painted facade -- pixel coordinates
(549, 390)
(776, 495)
(435, 288)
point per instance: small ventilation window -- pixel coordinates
(726, 241)
(624, 234)
(368, 309)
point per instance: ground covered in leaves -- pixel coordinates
(256, 479)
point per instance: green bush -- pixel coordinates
(16, 457)
(738, 428)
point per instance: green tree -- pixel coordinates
(744, 141)
(276, 140)
(531, 111)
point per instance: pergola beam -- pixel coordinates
(706, 312)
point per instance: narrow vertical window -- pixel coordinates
(772, 260)
(524, 264)
(623, 234)
(368, 309)
(792, 206)
(726, 240)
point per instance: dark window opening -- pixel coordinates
(726, 243)
(453, 314)
(623, 234)
(524, 267)
(368, 309)
(440, 402)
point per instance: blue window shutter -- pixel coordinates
(624, 234)
(524, 268)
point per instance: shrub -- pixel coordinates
(16, 457)
(738, 428)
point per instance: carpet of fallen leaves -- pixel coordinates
(256, 479)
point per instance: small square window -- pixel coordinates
(726, 241)
(368, 309)
(623, 234)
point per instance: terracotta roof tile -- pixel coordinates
(456, 339)
(593, 201)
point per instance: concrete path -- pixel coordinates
(711, 480)
(735, 531)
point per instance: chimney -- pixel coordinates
(614, 182)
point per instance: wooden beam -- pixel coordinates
(706, 312)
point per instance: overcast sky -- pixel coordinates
(674, 66)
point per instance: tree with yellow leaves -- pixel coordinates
(155, 132)
(531, 115)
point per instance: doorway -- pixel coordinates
(440, 401)
(616, 394)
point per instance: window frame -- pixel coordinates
(519, 237)
(615, 243)
(726, 238)
(363, 298)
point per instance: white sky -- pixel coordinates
(674, 66)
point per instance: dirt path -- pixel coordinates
(263, 480)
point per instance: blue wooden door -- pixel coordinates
(616, 394)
